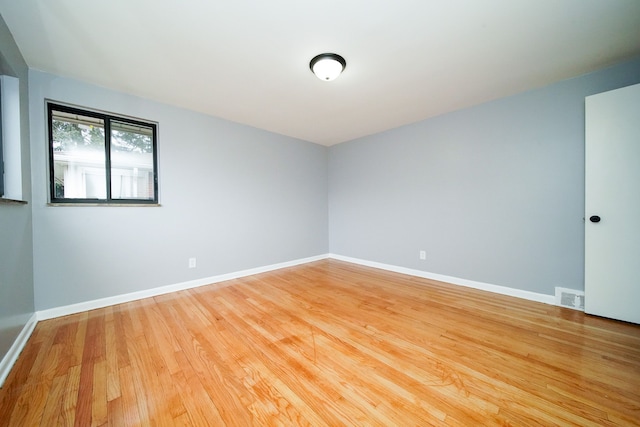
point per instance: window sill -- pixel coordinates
(108, 205)
(4, 201)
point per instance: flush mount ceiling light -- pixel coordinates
(327, 66)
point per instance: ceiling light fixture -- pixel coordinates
(327, 66)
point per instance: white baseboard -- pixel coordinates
(16, 348)
(503, 290)
(133, 296)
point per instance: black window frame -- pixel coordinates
(107, 119)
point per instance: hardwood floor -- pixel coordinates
(327, 343)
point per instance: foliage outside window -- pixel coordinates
(100, 158)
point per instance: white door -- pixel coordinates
(612, 245)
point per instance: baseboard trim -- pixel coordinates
(16, 348)
(133, 296)
(503, 290)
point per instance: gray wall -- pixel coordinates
(16, 246)
(232, 196)
(493, 193)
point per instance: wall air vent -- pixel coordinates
(570, 298)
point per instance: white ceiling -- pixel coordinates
(248, 60)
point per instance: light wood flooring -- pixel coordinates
(327, 344)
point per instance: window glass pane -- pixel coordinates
(132, 174)
(78, 156)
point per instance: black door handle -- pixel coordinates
(594, 218)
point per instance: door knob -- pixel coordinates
(594, 218)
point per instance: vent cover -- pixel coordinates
(570, 298)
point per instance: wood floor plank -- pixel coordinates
(130, 401)
(69, 400)
(51, 412)
(327, 343)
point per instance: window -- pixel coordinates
(100, 158)
(10, 141)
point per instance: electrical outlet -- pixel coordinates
(192, 263)
(423, 255)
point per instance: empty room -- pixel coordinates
(331, 213)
